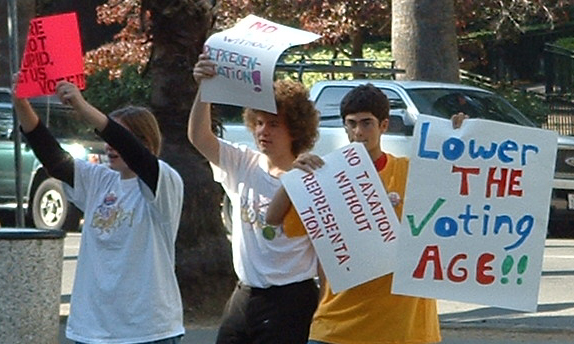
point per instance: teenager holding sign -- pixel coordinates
(125, 288)
(276, 295)
(367, 313)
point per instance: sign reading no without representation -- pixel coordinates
(246, 56)
(347, 215)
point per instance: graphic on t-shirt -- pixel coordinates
(395, 198)
(110, 215)
(254, 211)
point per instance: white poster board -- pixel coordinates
(477, 208)
(347, 215)
(246, 56)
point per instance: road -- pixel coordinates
(460, 322)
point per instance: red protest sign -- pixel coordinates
(53, 52)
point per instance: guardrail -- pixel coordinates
(361, 67)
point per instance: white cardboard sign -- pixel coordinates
(246, 56)
(476, 213)
(348, 216)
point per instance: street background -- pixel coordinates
(553, 323)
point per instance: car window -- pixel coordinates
(6, 121)
(329, 100)
(446, 102)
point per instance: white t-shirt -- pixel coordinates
(263, 256)
(125, 289)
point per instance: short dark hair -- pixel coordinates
(365, 98)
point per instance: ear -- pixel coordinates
(384, 125)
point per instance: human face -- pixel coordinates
(272, 135)
(364, 127)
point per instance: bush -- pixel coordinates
(132, 88)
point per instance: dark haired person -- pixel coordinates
(367, 313)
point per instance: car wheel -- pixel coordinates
(51, 209)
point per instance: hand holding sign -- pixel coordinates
(482, 218)
(53, 53)
(245, 58)
(347, 214)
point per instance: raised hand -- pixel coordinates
(204, 68)
(457, 119)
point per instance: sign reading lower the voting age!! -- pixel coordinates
(476, 210)
(348, 216)
(246, 56)
(53, 52)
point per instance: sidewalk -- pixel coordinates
(555, 304)
(555, 300)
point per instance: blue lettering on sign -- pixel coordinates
(453, 148)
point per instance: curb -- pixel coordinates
(506, 327)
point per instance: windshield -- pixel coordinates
(444, 103)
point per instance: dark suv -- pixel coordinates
(44, 200)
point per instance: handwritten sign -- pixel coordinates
(477, 212)
(347, 215)
(53, 52)
(246, 56)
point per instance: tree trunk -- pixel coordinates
(424, 40)
(357, 42)
(203, 254)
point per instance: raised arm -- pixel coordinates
(26, 116)
(70, 94)
(135, 154)
(199, 126)
(58, 162)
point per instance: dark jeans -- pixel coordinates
(278, 315)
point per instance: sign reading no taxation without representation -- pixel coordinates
(477, 212)
(246, 56)
(347, 215)
(53, 53)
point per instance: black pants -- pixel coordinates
(273, 315)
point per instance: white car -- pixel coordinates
(408, 99)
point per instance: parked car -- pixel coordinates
(43, 197)
(408, 99)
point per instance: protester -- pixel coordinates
(367, 313)
(125, 289)
(276, 295)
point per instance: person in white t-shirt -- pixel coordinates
(276, 294)
(125, 288)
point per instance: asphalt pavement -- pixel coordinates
(460, 322)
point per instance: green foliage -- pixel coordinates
(532, 105)
(379, 53)
(132, 88)
(566, 43)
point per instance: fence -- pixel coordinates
(561, 116)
